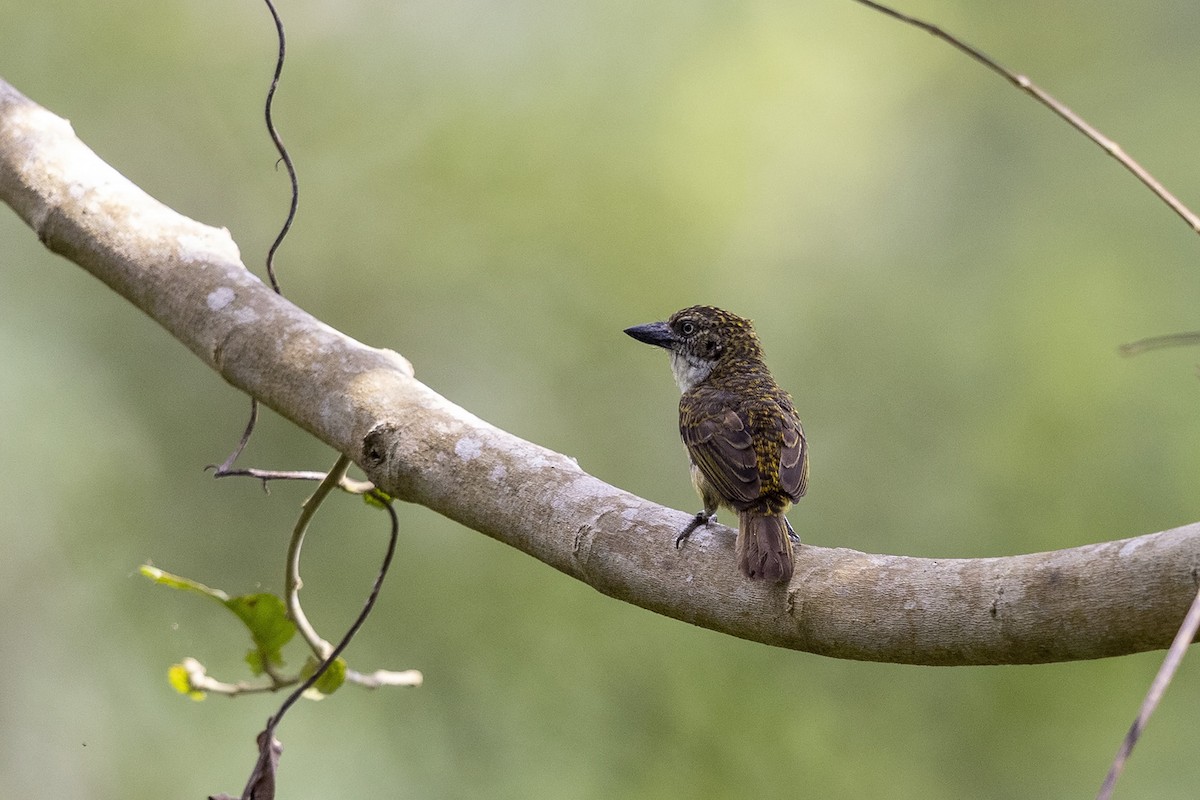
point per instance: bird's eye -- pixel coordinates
(687, 328)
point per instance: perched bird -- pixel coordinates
(741, 431)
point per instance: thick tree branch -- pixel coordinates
(1087, 602)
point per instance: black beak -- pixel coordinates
(655, 333)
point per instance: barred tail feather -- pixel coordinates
(764, 550)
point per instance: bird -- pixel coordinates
(742, 433)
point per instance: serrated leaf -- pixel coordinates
(177, 676)
(265, 615)
(330, 681)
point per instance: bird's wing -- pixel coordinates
(793, 457)
(722, 449)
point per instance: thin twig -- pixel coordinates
(199, 679)
(1045, 98)
(292, 582)
(348, 485)
(1183, 639)
(269, 748)
(225, 467)
(385, 677)
(277, 140)
(1157, 342)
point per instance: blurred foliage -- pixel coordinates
(941, 273)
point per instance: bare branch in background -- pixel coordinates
(1077, 122)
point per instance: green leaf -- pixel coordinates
(329, 682)
(254, 658)
(265, 615)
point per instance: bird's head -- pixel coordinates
(699, 339)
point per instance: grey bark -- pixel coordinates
(1087, 602)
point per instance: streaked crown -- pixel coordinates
(708, 333)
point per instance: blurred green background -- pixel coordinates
(940, 270)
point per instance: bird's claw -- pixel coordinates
(795, 537)
(701, 518)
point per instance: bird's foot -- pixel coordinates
(701, 518)
(795, 537)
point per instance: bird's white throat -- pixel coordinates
(689, 370)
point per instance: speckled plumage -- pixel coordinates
(741, 431)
